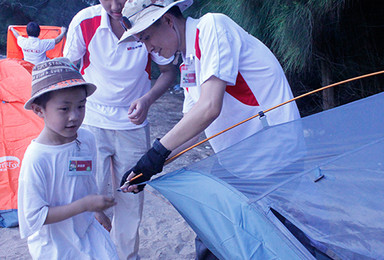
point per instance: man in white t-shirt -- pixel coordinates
(117, 112)
(227, 74)
(34, 49)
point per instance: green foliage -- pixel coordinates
(316, 41)
(285, 26)
(288, 30)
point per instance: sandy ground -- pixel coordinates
(163, 233)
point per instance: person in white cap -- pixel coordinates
(227, 74)
(117, 112)
(57, 196)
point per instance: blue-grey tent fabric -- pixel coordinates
(8, 218)
(323, 173)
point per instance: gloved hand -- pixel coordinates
(150, 163)
(135, 181)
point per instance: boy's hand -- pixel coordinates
(93, 203)
(96, 203)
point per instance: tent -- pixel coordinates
(46, 32)
(307, 189)
(18, 128)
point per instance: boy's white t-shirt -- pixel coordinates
(34, 49)
(56, 175)
(217, 46)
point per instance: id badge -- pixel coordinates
(80, 166)
(188, 75)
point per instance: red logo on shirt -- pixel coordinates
(134, 47)
(31, 50)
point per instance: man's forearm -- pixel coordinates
(201, 115)
(184, 146)
(191, 125)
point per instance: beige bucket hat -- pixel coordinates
(138, 15)
(55, 74)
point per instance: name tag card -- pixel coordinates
(188, 76)
(80, 166)
(188, 73)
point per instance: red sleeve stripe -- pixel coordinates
(241, 90)
(88, 29)
(197, 46)
(148, 67)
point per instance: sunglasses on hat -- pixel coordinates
(127, 24)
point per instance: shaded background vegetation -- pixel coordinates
(44, 12)
(318, 42)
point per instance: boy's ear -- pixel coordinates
(38, 110)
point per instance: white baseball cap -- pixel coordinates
(138, 15)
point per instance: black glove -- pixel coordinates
(150, 163)
(140, 179)
(135, 181)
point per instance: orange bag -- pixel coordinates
(17, 128)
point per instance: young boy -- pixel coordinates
(56, 197)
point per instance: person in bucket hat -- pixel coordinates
(227, 74)
(117, 112)
(58, 205)
(56, 74)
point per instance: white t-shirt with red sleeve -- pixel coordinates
(217, 46)
(120, 71)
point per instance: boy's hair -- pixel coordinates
(54, 75)
(33, 29)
